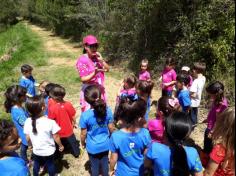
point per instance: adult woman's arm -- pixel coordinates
(101, 60)
(87, 78)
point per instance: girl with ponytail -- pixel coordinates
(173, 158)
(96, 126)
(42, 132)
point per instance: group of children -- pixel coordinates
(136, 144)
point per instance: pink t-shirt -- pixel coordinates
(156, 129)
(144, 76)
(211, 118)
(168, 76)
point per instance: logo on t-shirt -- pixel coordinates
(131, 145)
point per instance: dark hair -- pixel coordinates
(6, 128)
(130, 111)
(13, 96)
(92, 95)
(200, 67)
(130, 80)
(26, 68)
(34, 107)
(145, 87)
(164, 106)
(58, 92)
(177, 128)
(49, 87)
(183, 78)
(216, 88)
(170, 61)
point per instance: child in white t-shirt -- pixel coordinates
(196, 89)
(42, 132)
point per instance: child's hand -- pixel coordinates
(112, 173)
(75, 126)
(210, 135)
(61, 148)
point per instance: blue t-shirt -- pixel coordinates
(97, 139)
(13, 166)
(130, 148)
(28, 83)
(148, 108)
(160, 155)
(19, 117)
(184, 99)
(46, 105)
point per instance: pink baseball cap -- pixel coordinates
(89, 40)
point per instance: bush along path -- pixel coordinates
(60, 68)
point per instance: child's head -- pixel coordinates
(130, 81)
(42, 86)
(14, 95)
(182, 80)
(165, 106)
(178, 127)
(198, 68)
(223, 132)
(9, 139)
(144, 64)
(144, 88)
(170, 63)
(131, 111)
(49, 87)
(92, 95)
(185, 70)
(216, 91)
(35, 107)
(57, 93)
(26, 70)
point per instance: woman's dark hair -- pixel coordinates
(177, 128)
(49, 87)
(130, 111)
(163, 105)
(183, 78)
(34, 107)
(216, 88)
(26, 68)
(170, 61)
(13, 96)
(57, 92)
(6, 128)
(145, 87)
(92, 95)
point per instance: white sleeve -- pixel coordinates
(55, 127)
(193, 88)
(27, 126)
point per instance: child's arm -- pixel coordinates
(29, 141)
(211, 168)
(83, 135)
(113, 161)
(57, 139)
(111, 127)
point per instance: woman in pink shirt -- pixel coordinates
(91, 67)
(168, 77)
(144, 75)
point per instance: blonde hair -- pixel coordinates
(42, 85)
(144, 61)
(223, 133)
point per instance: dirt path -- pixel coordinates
(62, 58)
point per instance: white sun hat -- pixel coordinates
(185, 68)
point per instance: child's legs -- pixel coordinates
(37, 163)
(50, 165)
(104, 164)
(194, 113)
(207, 142)
(94, 161)
(23, 152)
(73, 145)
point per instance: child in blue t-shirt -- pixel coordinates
(96, 126)
(128, 145)
(27, 80)
(15, 96)
(172, 157)
(10, 162)
(183, 93)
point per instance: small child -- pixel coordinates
(96, 126)
(15, 96)
(27, 80)
(172, 157)
(41, 132)
(183, 93)
(186, 70)
(144, 90)
(222, 157)
(144, 75)
(196, 89)
(10, 162)
(220, 103)
(42, 86)
(166, 105)
(64, 114)
(128, 145)
(168, 77)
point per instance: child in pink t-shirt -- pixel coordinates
(144, 75)
(219, 104)
(168, 77)
(166, 105)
